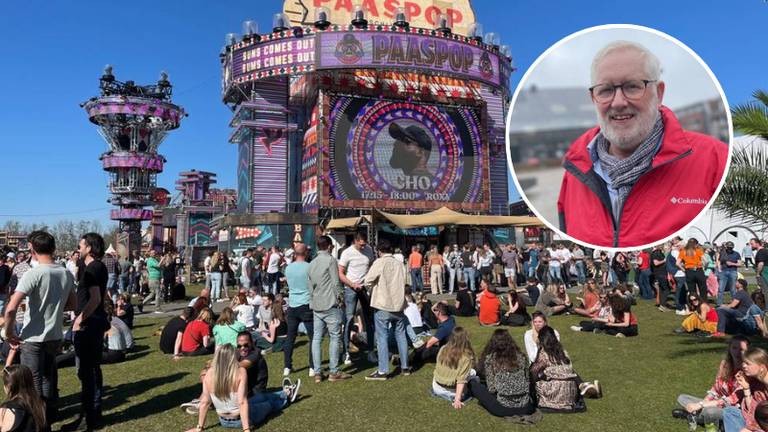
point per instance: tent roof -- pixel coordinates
(347, 223)
(446, 216)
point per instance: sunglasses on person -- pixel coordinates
(694, 300)
(243, 346)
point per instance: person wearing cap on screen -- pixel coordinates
(638, 177)
(411, 150)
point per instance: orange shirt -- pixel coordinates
(692, 261)
(414, 260)
(435, 259)
(489, 308)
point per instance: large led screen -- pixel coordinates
(397, 153)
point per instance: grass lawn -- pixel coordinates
(641, 378)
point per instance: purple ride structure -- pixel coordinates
(133, 120)
(339, 123)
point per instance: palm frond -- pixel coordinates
(761, 95)
(745, 192)
(751, 118)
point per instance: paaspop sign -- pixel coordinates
(421, 13)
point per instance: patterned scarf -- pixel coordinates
(624, 173)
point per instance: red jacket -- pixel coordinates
(683, 177)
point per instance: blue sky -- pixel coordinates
(54, 51)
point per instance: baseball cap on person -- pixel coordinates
(11, 255)
(412, 134)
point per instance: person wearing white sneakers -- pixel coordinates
(296, 276)
(325, 291)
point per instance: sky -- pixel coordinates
(54, 52)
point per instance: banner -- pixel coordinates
(401, 154)
(421, 13)
(388, 50)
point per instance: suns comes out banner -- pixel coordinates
(421, 13)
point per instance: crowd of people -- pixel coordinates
(372, 306)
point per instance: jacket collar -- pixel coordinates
(673, 145)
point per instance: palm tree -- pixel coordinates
(745, 192)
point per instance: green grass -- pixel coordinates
(641, 377)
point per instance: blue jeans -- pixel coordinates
(727, 283)
(383, 320)
(581, 272)
(40, 357)
(554, 274)
(215, 285)
(729, 321)
(681, 294)
(532, 268)
(351, 297)
(330, 319)
(417, 281)
(469, 277)
(644, 281)
(260, 406)
(733, 420)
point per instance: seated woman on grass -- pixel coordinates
(724, 391)
(489, 305)
(227, 328)
(273, 338)
(22, 410)
(465, 301)
(516, 314)
(119, 338)
(590, 302)
(507, 388)
(454, 368)
(558, 387)
(703, 319)
(531, 337)
(622, 322)
(225, 385)
(554, 301)
(196, 340)
(602, 316)
(752, 380)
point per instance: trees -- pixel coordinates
(745, 192)
(66, 232)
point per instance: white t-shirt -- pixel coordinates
(245, 267)
(565, 255)
(120, 338)
(274, 263)
(245, 314)
(289, 256)
(530, 346)
(254, 301)
(207, 265)
(356, 263)
(678, 273)
(72, 267)
(414, 317)
(399, 257)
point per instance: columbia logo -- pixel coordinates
(680, 200)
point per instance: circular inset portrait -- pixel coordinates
(617, 136)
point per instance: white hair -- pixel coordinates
(652, 64)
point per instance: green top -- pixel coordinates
(450, 377)
(153, 268)
(227, 334)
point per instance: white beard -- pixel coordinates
(628, 140)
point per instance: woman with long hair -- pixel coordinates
(454, 368)
(507, 388)
(227, 328)
(752, 381)
(273, 338)
(558, 387)
(22, 410)
(724, 392)
(690, 260)
(196, 339)
(622, 322)
(554, 300)
(590, 303)
(516, 314)
(603, 312)
(531, 337)
(620, 266)
(703, 317)
(217, 272)
(225, 385)
(243, 310)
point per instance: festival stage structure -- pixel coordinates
(134, 120)
(340, 119)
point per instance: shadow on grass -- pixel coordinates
(121, 395)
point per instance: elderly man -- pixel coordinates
(638, 177)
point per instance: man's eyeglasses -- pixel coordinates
(243, 346)
(633, 90)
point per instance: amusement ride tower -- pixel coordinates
(133, 120)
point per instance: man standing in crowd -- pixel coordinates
(138, 268)
(533, 264)
(727, 269)
(207, 268)
(638, 141)
(258, 261)
(415, 261)
(659, 270)
(89, 326)
(761, 264)
(113, 271)
(644, 279)
(125, 267)
(578, 260)
(153, 276)
(22, 266)
(49, 290)
(387, 281)
(325, 289)
(296, 276)
(5, 282)
(353, 267)
(747, 254)
(246, 269)
(72, 263)
(468, 262)
(509, 258)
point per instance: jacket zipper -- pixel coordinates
(617, 224)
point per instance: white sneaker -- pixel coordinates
(295, 390)
(418, 343)
(347, 360)
(311, 372)
(681, 312)
(576, 328)
(286, 372)
(159, 312)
